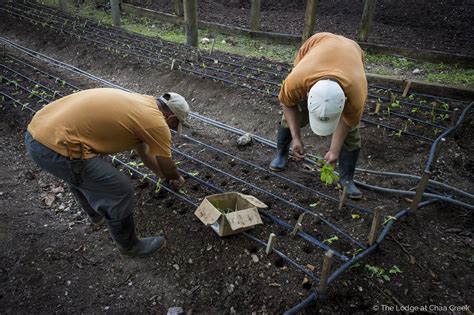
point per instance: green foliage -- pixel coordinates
(328, 176)
(331, 240)
(379, 272)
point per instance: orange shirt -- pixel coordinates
(102, 121)
(329, 55)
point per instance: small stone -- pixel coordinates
(230, 288)
(416, 71)
(176, 266)
(175, 310)
(255, 258)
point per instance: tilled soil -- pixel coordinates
(54, 260)
(422, 25)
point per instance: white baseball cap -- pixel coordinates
(325, 104)
(178, 105)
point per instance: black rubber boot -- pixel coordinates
(123, 233)
(283, 148)
(347, 164)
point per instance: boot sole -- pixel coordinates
(276, 169)
(146, 255)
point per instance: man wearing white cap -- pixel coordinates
(69, 136)
(327, 88)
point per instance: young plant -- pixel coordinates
(394, 270)
(158, 186)
(331, 240)
(328, 176)
(378, 272)
(388, 219)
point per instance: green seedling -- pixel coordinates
(445, 106)
(395, 104)
(357, 251)
(388, 219)
(378, 272)
(415, 110)
(394, 270)
(328, 176)
(314, 205)
(355, 216)
(436, 131)
(411, 97)
(193, 173)
(135, 164)
(158, 186)
(331, 240)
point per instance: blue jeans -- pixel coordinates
(99, 188)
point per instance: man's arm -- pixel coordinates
(337, 140)
(163, 167)
(292, 118)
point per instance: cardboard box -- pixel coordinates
(230, 213)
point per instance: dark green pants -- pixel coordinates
(352, 141)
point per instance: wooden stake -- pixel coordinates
(377, 107)
(298, 225)
(255, 15)
(212, 45)
(177, 7)
(115, 8)
(327, 262)
(374, 229)
(173, 63)
(271, 241)
(420, 189)
(343, 196)
(454, 117)
(190, 19)
(366, 20)
(393, 98)
(309, 19)
(407, 87)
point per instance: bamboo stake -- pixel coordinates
(374, 229)
(255, 15)
(327, 262)
(343, 196)
(212, 46)
(407, 87)
(298, 225)
(271, 241)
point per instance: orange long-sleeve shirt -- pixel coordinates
(102, 121)
(329, 55)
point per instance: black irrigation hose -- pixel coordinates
(441, 137)
(30, 80)
(415, 177)
(77, 70)
(273, 174)
(56, 79)
(273, 218)
(313, 296)
(246, 85)
(413, 193)
(17, 85)
(292, 204)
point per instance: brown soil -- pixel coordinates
(53, 260)
(422, 25)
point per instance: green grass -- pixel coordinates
(243, 45)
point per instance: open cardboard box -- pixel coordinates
(230, 213)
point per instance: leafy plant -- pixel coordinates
(158, 186)
(314, 205)
(394, 270)
(395, 104)
(328, 176)
(331, 240)
(379, 272)
(388, 219)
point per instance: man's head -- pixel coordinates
(325, 104)
(175, 109)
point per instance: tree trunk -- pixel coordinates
(63, 5)
(190, 19)
(309, 19)
(366, 20)
(115, 8)
(255, 15)
(177, 7)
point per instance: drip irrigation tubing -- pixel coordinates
(292, 204)
(332, 277)
(86, 74)
(313, 296)
(273, 218)
(416, 177)
(273, 174)
(436, 143)
(136, 38)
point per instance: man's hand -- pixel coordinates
(331, 157)
(177, 183)
(298, 149)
